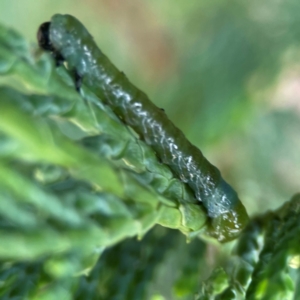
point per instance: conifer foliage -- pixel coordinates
(91, 209)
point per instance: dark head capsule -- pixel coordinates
(43, 37)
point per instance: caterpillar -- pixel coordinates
(69, 41)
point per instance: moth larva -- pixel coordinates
(69, 40)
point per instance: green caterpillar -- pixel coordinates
(69, 41)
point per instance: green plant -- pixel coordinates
(75, 180)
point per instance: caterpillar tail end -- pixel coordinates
(228, 226)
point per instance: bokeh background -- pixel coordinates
(226, 72)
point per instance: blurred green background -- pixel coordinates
(226, 72)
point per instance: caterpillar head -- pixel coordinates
(43, 37)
